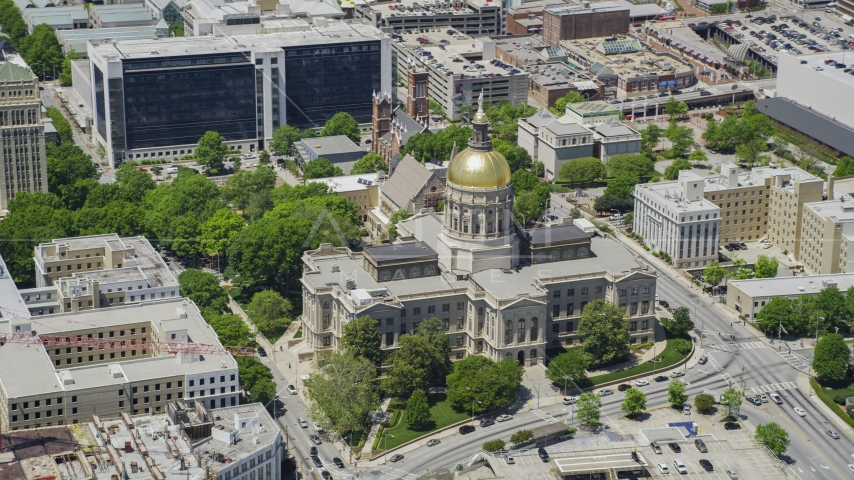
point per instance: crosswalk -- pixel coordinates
(731, 347)
(545, 416)
(726, 376)
(796, 360)
(774, 387)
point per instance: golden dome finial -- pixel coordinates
(480, 117)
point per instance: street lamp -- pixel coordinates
(472, 409)
(385, 444)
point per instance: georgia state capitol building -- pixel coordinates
(499, 290)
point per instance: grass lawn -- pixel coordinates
(241, 298)
(663, 360)
(441, 414)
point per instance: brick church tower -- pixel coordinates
(417, 104)
(381, 119)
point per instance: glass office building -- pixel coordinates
(174, 101)
(322, 80)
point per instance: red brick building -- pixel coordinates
(586, 20)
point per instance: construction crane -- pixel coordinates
(112, 344)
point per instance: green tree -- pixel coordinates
(212, 152)
(587, 408)
(635, 402)
(11, 20)
(561, 103)
(831, 302)
(776, 312)
(482, 385)
(320, 168)
(582, 170)
(133, 183)
(681, 323)
(765, 267)
(623, 186)
(714, 274)
(517, 157)
(250, 192)
(496, 445)
(417, 410)
(528, 207)
(698, 155)
(704, 402)
(637, 165)
(203, 288)
(676, 393)
(570, 365)
(393, 219)
(739, 271)
(231, 330)
(342, 123)
(33, 218)
(750, 151)
(772, 436)
(370, 163)
(604, 332)
(423, 360)
(219, 230)
(342, 391)
(263, 391)
(66, 165)
(651, 137)
(521, 436)
(62, 125)
(41, 50)
(264, 158)
(575, 213)
(672, 171)
(251, 371)
(538, 169)
(681, 139)
(283, 138)
(629, 220)
(674, 108)
(270, 312)
(844, 167)
(438, 145)
(362, 337)
(830, 360)
(65, 74)
(606, 203)
(731, 399)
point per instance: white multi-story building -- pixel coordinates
(673, 217)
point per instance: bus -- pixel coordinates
(665, 18)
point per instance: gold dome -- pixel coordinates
(479, 169)
(480, 117)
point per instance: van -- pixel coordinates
(302, 422)
(171, 170)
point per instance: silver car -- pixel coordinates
(605, 391)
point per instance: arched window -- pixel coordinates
(540, 257)
(520, 332)
(535, 333)
(533, 353)
(414, 272)
(432, 189)
(554, 255)
(429, 270)
(508, 332)
(399, 274)
(568, 253)
(582, 252)
(385, 275)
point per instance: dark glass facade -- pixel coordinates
(174, 101)
(100, 104)
(321, 81)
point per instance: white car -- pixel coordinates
(605, 391)
(800, 411)
(292, 390)
(569, 400)
(318, 427)
(776, 398)
(679, 466)
(504, 418)
(641, 383)
(677, 373)
(732, 474)
(663, 468)
(851, 467)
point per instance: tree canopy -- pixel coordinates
(844, 167)
(203, 289)
(423, 360)
(561, 103)
(765, 267)
(588, 408)
(342, 390)
(212, 152)
(342, 123)
(438, 146)
(634, 402)
(370, 163)
(363, 338)
(672, 171)
(320, 168)
(283, 138)
(830, 360)
(570, 365)
(582, 170)
(637, 165)
(479, 380)
(604, 332)
(773, 436)
(714, 273)
(726, 135)
(676, 392)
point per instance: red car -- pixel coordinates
(623, 387)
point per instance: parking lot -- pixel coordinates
(754, 249)
(794, 36)
(727, 449)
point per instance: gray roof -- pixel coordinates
(809, 122)
(614, 129)
(547, 235)
(783, 286)
(540, 118)
(323, 146)
(411, 126)
(401, 251)
(406, 183)
(559, 128)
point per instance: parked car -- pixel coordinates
(318, 427)
(675, 447)
(485, 422)
(679, 466)
(655, 448)
(465, 429)
(732, 426)
(703, 360)
(503, 418)
(338, 463)
(732, 474)
(707, 465)
(701, 446)
(662, 468)
(543, 454)
(686, 409)
(396, 457)
(623, 387)
(433, 442)
(509, 459)
(664, 303)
